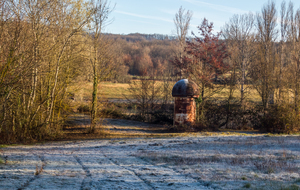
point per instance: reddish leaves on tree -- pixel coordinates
(205, 54)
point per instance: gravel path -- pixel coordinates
(231, 162)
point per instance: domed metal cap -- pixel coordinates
(185, 88)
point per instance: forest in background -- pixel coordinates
(46, 46)
(142, 54)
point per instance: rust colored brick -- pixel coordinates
(184, 92)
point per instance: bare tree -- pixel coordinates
(36, 48)
(239, 36)
(263, 72)
(294, 39)
(73, 27)
(182, 23)
(284, 24)
(98, 59)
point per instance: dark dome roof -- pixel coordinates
(185, 88)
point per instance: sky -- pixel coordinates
(156, 16)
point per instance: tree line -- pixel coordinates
(45, 45)
(252, 52)
(144, 54)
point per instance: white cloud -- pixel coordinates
(144, 22)
(217, 7)
(144, 16)
(169, 11)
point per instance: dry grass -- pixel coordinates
(240, 161)
(38, 170)
(251, 95)
(82, 91)
(262, 164)
(132, 129)
(114, 90)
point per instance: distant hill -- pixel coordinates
(141, 37)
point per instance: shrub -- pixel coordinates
(115, 113)
(83, 109)
(1, 160)
(247, 185)
(162, 116)
(214, 115)
(280, 119)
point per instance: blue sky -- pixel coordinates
(156, 16)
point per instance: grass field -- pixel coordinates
(82, 91)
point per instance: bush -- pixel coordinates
(112, 113)
(137, 117)
(161, 117)
(116, 110)
(83, 109)
(1, 160)
(277, 119)
(247, 185)
(280, 119)
(192, 127)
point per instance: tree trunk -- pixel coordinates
(242, 84)
(94, 101)
(297, 87)
(280, 72)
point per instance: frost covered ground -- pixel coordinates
(199, 162)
